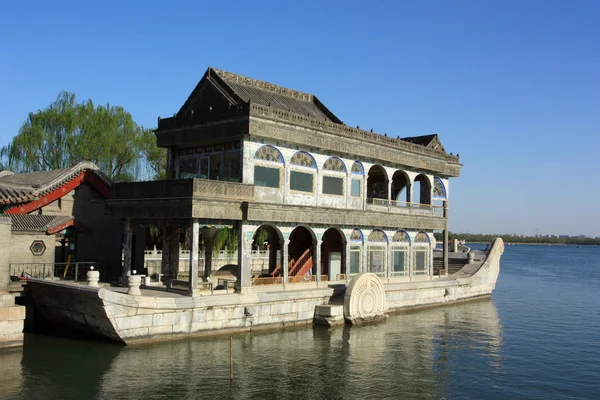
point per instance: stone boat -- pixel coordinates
(159, 315)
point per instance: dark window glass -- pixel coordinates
(400, 267)
(188, 168)
(265, 176)
(354, 260)
(333, 185)
(420, 262)
(355, 188)
(301, 181)
(231, 167)
(216, 167)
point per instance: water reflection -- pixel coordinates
(411, 355)
(11, 381)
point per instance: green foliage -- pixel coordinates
(226, 239)
(68, 132)
(260, 237)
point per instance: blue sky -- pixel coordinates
(513, 86)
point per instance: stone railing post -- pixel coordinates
(93, 277)
(134, 283)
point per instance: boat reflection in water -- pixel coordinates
(411, 354)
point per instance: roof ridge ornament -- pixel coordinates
(230, 77)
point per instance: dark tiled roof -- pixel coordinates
(422, 140)
(34, 222)
(21, 188)
(275, 100)
(268, 94)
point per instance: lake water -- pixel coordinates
(537, 338)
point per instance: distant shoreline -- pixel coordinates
(510, 239)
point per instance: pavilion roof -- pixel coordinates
(25, 187)
(242, 89)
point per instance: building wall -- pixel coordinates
(317, 198)
(5, 239)
(103, 242)
(20, 244)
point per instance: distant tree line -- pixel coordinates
(486, 238)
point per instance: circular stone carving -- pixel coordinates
(365, 299)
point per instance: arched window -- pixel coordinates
(302, 180)
(356, 236)
(421, 254)
(357, 171)
(334, 164)
(333, 182)
(357, 168)
(268, 153)
(376, 252)
(268, 166)
(439, 190)
(303, 159)
(400, 249)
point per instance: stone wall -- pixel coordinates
(5, 241)
(20, 251)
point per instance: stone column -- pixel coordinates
(410, 260)
(363, 266)
(446, 237)
(194, 247)
(346, 258)
(170, 255)
(318, 187)
(389, 193)
(285, 259)
(127, 251)
(317, 259)
(209, 240)
(171, 162)
(244, 277)
(388, 270)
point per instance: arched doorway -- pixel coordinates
(266, 256)
(301, 267)
(333, 255)
(401, 188)
(422, 188)
(377, 184)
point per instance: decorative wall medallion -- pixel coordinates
(37, 247)
(365, 299)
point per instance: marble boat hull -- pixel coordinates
(128, 319)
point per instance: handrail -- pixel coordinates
(407, 207)
(300, 262)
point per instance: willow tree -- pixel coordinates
(68, 132)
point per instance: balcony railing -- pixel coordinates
(402, 207)
(184, 188)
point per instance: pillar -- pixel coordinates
(170, 252)
(346, 259)
(389, 259)
(363, 266)
(318, 187)
(389, 193)
(194, 247)
(244, 277)
(446, 237)
(127, 252)
(317, 258)
(171, 160)
(285, 259)
(209, 240)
